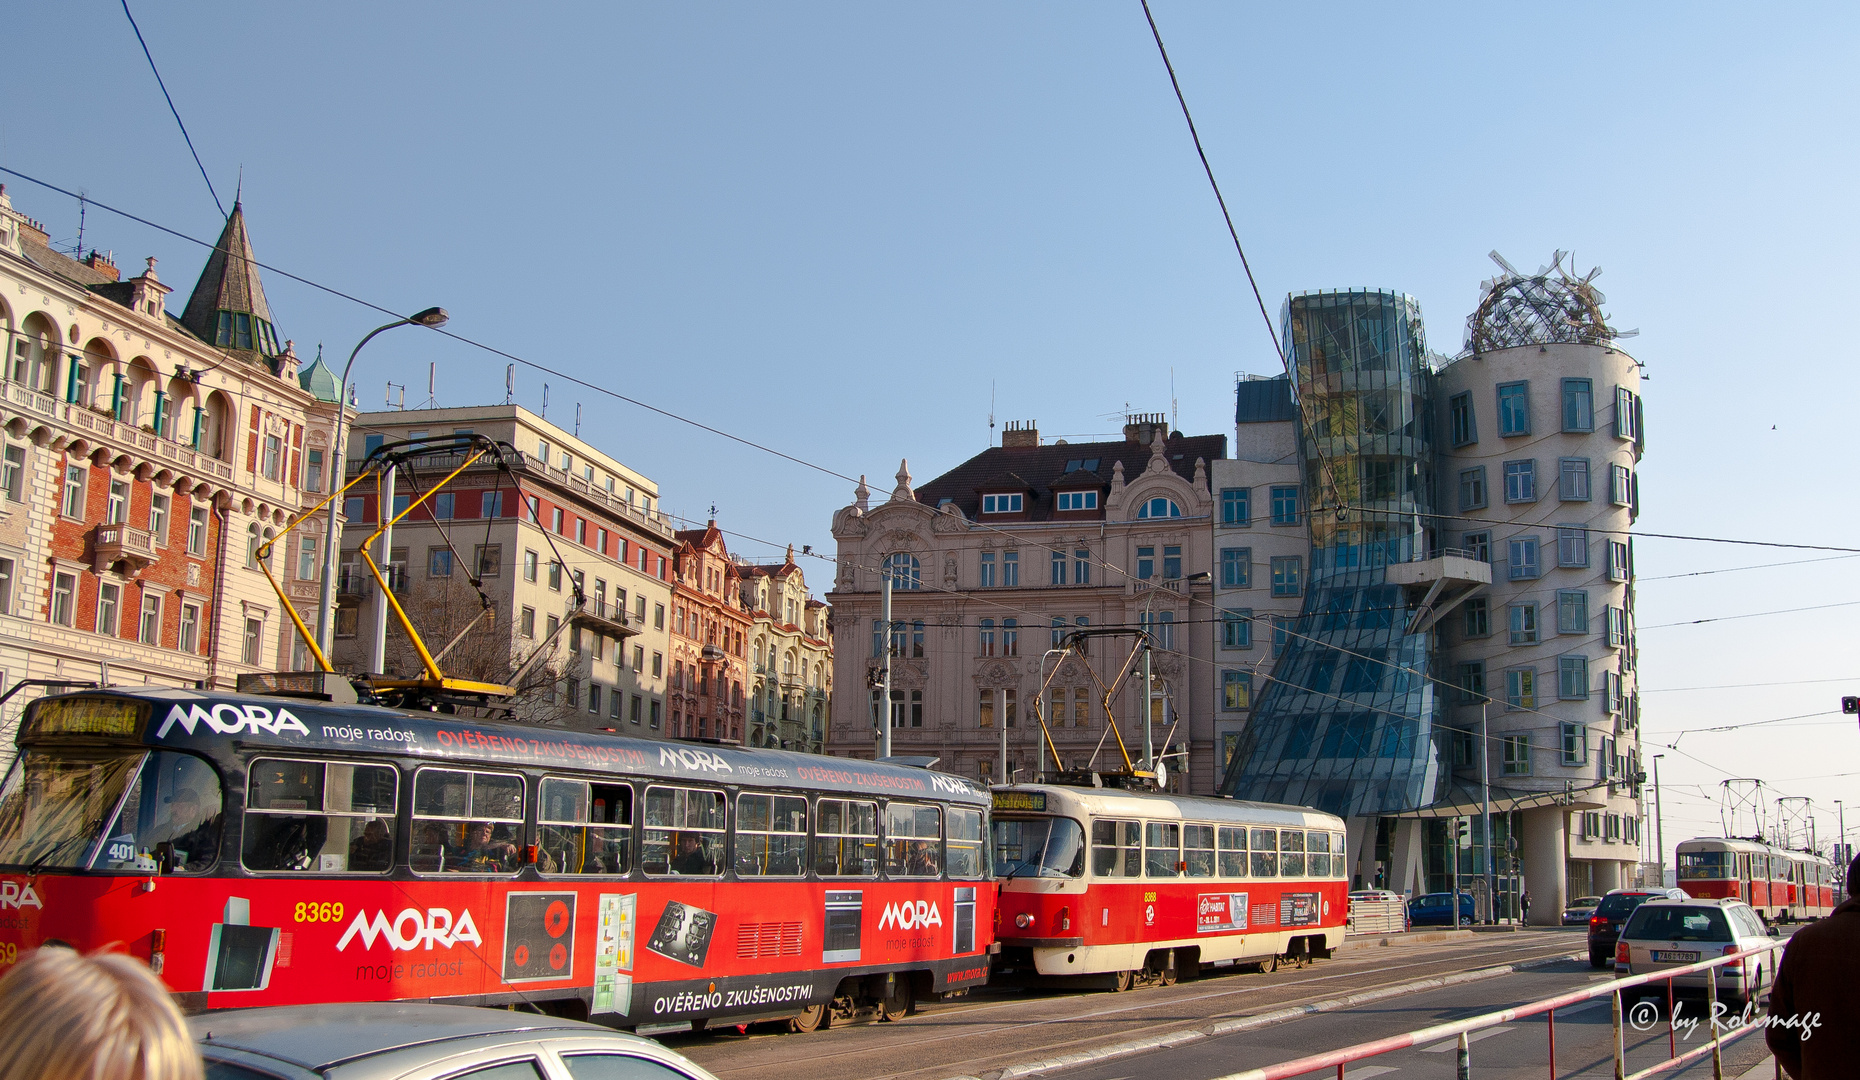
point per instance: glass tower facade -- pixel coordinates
(1348, 721)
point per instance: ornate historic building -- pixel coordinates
(790, 659)
(992, 563)
(709, 639)
(145, 458)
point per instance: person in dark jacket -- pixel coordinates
(1814, 1027)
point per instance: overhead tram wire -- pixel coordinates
(177, 113)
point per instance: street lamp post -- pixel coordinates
(1659, 822)
(433, 317)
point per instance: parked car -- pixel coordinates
(1579, 910)
(1664, 934)
(409, 1041)
(1374, 894)
(1436, 909)
(1605, 924)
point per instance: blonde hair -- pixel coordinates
(64, 1016)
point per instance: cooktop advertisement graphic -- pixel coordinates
(683, 933)
(539, 936)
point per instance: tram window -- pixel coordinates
(1317, 854)
(1117, 848)
(1337, 867)
(1198, 850)
(913, 840)
(466, 822)
(845, 838)
(583, 828)
(319, 817)
(1265, 843)
(684, 832)
(1233, 851)
(965, 843)
(1292, 853)
(169, 822)
(771, 835)
(1050, 847)
(1162, 848)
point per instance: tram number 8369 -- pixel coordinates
(315, 912)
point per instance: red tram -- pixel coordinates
(269, 851)
(1138, 887)
(1783, 885)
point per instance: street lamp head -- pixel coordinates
(434, 317)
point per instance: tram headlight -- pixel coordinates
(1023, 920)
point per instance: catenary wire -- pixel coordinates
(177, 113)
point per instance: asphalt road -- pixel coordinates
(988, 1033)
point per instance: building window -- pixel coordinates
(1236, 506)
(1620, 485)
(1159, 507)
(1611, 692)
(1572, 546)
(252, 644)
(526, 622)
(1285, 506)
(1572, 611)
(1236, 690)
(313, 471)
(158, 518)
(190, 627)
(109, 601)
(1520, 481)
(1010, 637)
(1146, 563)
(1573, 479)
(988, 570)
(1010, 569)
(274, 452)
(6, 586)
(581, 531)
(1521, 688)
(1627, 414)
(491, 504)
(116, 510)
(1575, 739)
(986, 642)
(1081, 567)
(197, 531)
(529, 566)
(658, 663)
(1524, 563)
(901, 567)
(1059, 568)
(438, 562)
(308, 568)
(1001, 504)
(1281, 633)
(1572, 678)
(1477, 617)
(1236, 564)
(1287, 575)
(252, 542)
(1472, 682)
(355, 508)
(1237, 628)
(489, 559)
(64, 598)
(1172, 562)
(148, 627)
(1578, 405)
(1472, 488)
(1460, 419)
(1514, 409)
(73, 505)
(1523, 624)
(1618, 569)
(1077, 500)
(1616, 619)
(13, 473)
(1059, 632)
(555, 576)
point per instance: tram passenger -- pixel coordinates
(692, 858)
(285, 843)
(373, 849)
(482, 853)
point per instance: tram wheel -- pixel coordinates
(898, 1005)
(812, 1018)
(1168, 970)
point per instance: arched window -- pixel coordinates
(252, 541)
(1159, 507)
(901, 567)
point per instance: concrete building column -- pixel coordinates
(1607, 874)
(1359, 844)
(1405, 857)
(1543, 843)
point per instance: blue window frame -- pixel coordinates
(1285, 505)
(1059, 568)
(1572, 546)
(1521, 481)
(1572, 611)
(1524, 562)
(1472, 488)
(1237, 628)
(1081, 567)
(1573, 479)
(1236, 691)
(1236, 568)
(903, 569)
(1460, 419)
(1078, 500)
(1236, 506)
(1159, 507)
(1172, 561)
(1281, 633)
(1514, 408)
(1578, 405)
(1524, 624)
(1001, 504)
(1572, 678)
(988, 570)
(1287, 575)
(1146, 563)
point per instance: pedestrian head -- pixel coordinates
(100, 1017)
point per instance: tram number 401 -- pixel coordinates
(315, 912)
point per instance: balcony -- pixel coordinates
(1436, 586)
(92, 425)
(112, 544)
(596, 615)
(354, 585)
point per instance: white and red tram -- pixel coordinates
(1143, 887)
(1783, 885)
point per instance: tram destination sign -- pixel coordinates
(1020, 800)
(88, 716)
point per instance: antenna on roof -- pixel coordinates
(391, 387)
(545, 408)
(991, 412)
(83, 204)
(577, 419)
(432, 399)
(510, 383)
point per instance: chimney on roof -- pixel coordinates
(1020, 434)
(103, 264)
(1141, 428)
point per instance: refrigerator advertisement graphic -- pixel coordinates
(613, 953)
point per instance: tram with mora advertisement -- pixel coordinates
(1127, 887)
(1783, 885)
(267, 850)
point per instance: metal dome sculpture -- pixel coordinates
(1548, 307)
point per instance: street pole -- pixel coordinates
(1841, 848)
(1001, 722)
(1453, 863)
(384, 558)
(326, 596)
(1485, 795)
(1149, 747)
(884, 712)
(1659, 821)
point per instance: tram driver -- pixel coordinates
(691, 857)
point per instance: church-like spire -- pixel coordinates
(228, 305)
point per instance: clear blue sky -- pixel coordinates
(833, 228)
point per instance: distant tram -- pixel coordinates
(1782, 885)
(1131, 887)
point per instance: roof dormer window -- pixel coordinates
(1077, 500)
(1082, 465)
(1001, 504)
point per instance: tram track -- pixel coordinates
(974, 1039)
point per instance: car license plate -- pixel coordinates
(1670, 957)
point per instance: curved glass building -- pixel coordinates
(1347, 722)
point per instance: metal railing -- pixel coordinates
(1721, 1033)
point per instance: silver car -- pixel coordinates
(408, 1041)
(1663, 934)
